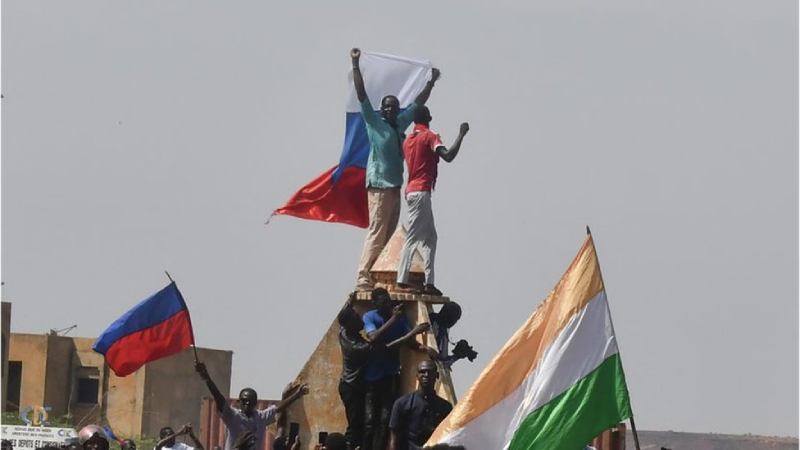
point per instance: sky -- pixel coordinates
(145, 136)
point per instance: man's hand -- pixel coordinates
(397, 311)
(186, 429)
(464, 129)
(435, 74)
(421, 328)
(355, 54)
(303, 389)
(202, 370)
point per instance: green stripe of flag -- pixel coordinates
(569, 421)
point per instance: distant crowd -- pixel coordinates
(368, 386)
(377, 418)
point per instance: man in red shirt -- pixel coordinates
(422, 149)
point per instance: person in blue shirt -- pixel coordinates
(384, 177)
(384, 324)
(356, 353)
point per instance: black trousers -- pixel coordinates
(378, 401)
(352, 396)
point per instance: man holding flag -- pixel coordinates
(384, 175)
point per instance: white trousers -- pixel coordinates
(421, 235)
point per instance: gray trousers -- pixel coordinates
(421, 235)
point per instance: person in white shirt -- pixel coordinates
(167, 442)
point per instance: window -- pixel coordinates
(87, 390)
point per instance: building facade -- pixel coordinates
(65, 376)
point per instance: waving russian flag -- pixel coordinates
(157, 327)
(340, 193)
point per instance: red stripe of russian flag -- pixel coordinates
(157, 327)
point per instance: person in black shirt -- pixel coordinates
(356, 352)
(416, 415)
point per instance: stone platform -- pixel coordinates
(404, 297)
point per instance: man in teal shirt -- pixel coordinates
(385, 132)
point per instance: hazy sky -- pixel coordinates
(147, 135)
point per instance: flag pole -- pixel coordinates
(611, 321)
(194, 347)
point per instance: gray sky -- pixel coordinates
(149, 135)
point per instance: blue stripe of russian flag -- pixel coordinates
(155, 309)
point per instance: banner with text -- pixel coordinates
(29, 438)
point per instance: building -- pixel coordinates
(66, 377)
(5, 327)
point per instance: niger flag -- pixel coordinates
(557, 383)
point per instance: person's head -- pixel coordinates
(128, 444)
(390, 108)
(427, 374)
(6, 445)
(167, 431)
(247, 400)
(382, 301)
(422, 115)
(96, 442)
(350, 320)
(335, 441)
(88, 431)
(449, 314)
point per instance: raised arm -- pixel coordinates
(450, 154)
(296, 393)
(426, 92)
(358, 79)
(219, 399)
(374, 336)
(419, 329)
(187, 430)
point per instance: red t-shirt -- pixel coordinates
(419, 150)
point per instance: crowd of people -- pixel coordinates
(389, 149)
(370, 379)
(368, 387)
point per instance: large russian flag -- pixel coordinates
(340, 193)
(157, 327)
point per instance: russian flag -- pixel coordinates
(340, 193)
(157, 327)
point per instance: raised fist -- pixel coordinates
(355, 53)
(435, 74)
(464, 128)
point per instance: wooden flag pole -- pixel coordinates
(194, 347)
(611, 320)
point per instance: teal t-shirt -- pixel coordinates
(385, 162)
